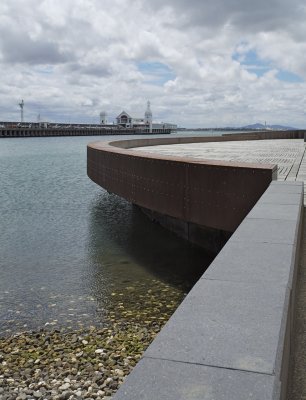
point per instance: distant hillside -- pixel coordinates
(273, 127)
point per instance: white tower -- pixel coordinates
(21, 105)
(103, 119)
(148, 116)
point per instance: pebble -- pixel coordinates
(65, 371)
(87, 363)
(65, 386)
(21, 396)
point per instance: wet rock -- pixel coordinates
(85, 364)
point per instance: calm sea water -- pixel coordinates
(72, 254)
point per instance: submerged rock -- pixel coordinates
(83, 364)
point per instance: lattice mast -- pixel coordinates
(21, 105)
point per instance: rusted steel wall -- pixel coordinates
(209, 193)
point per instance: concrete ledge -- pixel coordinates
(168, 380)
(231, 336)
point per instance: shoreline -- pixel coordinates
(82, 364)
(91, 362)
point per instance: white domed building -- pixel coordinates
(143, 125)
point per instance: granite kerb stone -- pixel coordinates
(236, 320)
(154, 379)
(278, 197)
(266, 231)
(267, 262)
(267, 211)
(233, 325)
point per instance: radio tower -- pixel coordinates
(21, 105)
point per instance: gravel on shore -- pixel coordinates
(75, 365)
(60, 363)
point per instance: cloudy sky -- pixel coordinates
(201, 63)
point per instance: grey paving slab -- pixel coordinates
(167, 380)
(279, 198)
(249, 262)
(225, 324)
(275, 211)
(286, 187)
(266, 231)
(284, 183)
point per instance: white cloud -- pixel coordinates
(70, 59)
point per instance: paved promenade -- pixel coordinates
(287, 154)
(290, 157)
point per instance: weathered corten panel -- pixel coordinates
(209, 193)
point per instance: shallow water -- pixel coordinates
(73, 255)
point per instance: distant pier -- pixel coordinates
(73, 131)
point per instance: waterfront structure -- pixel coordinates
(146, 124)
(125, 120)
(232, 336)
(126, 125)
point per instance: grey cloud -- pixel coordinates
(253, 16)
(20, 48)
(97, 45)
(99, 71)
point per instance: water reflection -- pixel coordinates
(71, 254)
(135, 245)
(138, 269)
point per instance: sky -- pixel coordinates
(201, 63)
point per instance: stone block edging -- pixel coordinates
(231, 336)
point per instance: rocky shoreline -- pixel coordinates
(61, 363)
(58, 365)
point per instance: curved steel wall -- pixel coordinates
(209, 193)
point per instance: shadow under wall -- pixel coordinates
(125, 244)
